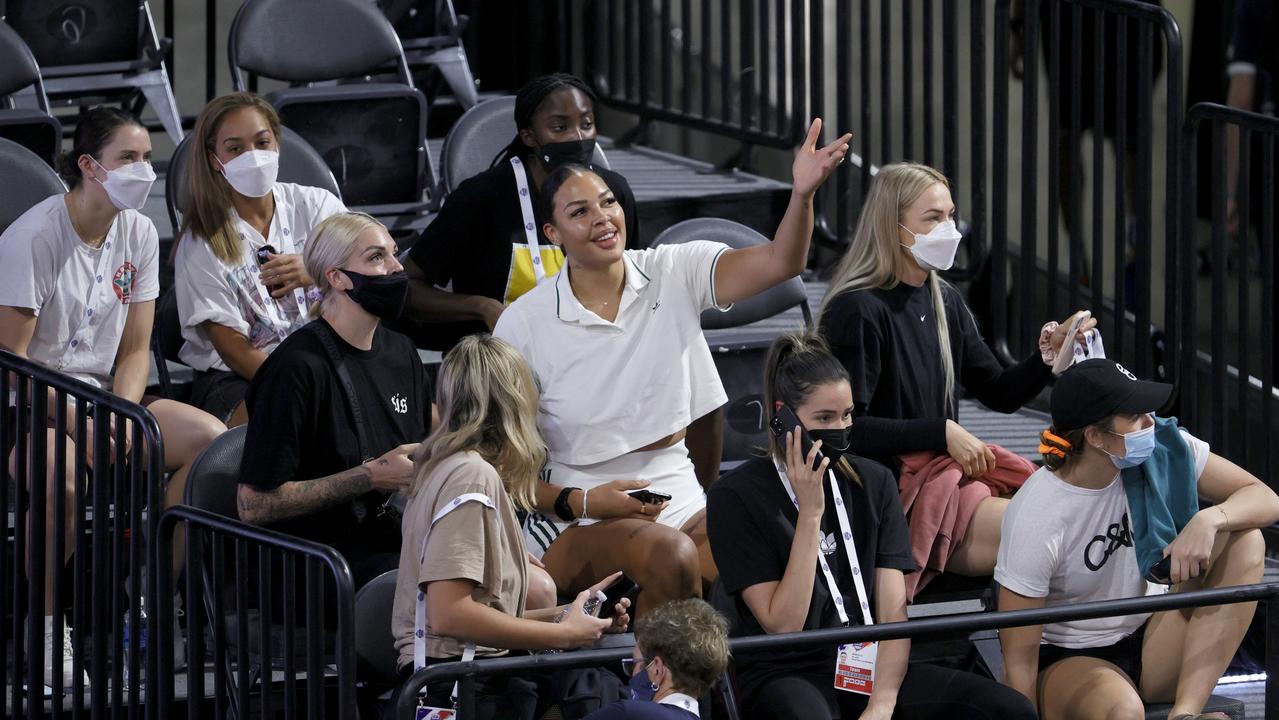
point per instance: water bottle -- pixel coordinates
(142, 643)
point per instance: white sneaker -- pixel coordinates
(57, 657)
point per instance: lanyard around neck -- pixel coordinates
(850, 549)
(530, 222)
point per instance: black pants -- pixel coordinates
(928, 692)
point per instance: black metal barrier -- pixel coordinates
(101, 458)
(253, 592)
(1228, 393)
(467, 672)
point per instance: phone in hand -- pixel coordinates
(623, 587)
(649, 497)
(1161, 572)
(264, 253)
(784, 421)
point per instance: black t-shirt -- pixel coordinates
(301, 426)
(751, 523)
(887, 339)
(475, 240)
(1256, 23)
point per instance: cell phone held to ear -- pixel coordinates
(784, 421)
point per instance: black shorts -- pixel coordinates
(1125, 654)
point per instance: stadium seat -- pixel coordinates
(740, 360)
(214, 477)
(26, 178)
(95, 50)
(478, 136)
(33, 128)
(375, 653)
(299, 163)
(166, 340)
(434, 40)
(371, 135)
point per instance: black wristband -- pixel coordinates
(563, 510)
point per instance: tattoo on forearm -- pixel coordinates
(304, 497)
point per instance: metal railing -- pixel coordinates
(84, 468)
(933, 81)
(1229, 392)
(280, 611)
(466, 673)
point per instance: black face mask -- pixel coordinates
(382, 296)
(834, 442)
(553, 155)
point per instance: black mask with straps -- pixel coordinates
(382, 296)
(835, 442)
(553, 155)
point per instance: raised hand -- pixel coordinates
(812, 164)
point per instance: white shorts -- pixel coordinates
(668, 470)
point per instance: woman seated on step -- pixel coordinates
(616, 344)
(463, 578)
(1115, 514)
(909, 341)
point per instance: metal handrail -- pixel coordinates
(467, 672)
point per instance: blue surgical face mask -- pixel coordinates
(1138, 446)
(642, 689)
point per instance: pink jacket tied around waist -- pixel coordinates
(940, 501)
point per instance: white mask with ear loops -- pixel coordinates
(128, 185)
(935, 250)
(252, 173)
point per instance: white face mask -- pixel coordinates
(936, 250)
(128, 185)
(252, 173)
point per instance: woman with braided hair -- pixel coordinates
(1115, 513)
(487, 242)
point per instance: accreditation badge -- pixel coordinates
(855, 667)
(434, 713)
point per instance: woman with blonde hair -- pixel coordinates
(463, 580)
(337, 409)
(908, 339)
(240, 281)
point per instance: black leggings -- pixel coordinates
(927, 692)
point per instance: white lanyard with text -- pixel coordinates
(419, 632)
(530, 222)
(100, 283)
(855, 663)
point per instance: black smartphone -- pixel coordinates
(647, 496)
(1161, 572)
(264, 253)
(624, 587)
(784, 421)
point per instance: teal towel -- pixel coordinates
(1163, 494)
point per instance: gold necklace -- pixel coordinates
(84, 237)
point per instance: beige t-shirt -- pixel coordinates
(471, 542)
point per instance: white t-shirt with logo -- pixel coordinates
(611, 387)
(80, 294)
(231, 294)
(1070, 545)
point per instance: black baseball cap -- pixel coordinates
(1095, 389)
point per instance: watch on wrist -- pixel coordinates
(563, 510)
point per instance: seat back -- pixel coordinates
(771, 302)
(304, 41)
(375, 653)
(299, 163)
(370, 135)
(18, 66)
(26, 180)
(478, 136)
(81, 33)
(214, 477)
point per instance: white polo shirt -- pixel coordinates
(611, 387)
(231, 294)
(80, 294)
